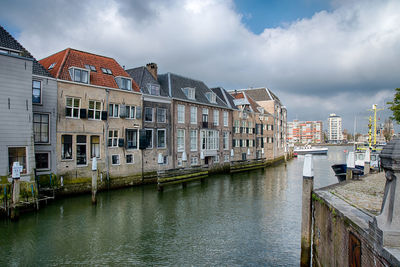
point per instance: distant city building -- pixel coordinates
(304, 132)
(335, 129)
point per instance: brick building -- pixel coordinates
(304, 132)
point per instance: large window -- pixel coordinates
(161, 115)
(95, 109)
(36, 92)
(209, 139)
(181, 140)
(72, 107)
(148, 114)
(226, 140)
(41, 127)
(131, 138)
(17, 154)
(42, 161)
(193, 140)
(66, 146)
(113, 111)
(95, 146)
(181, 114)
(149, 138)
(216, 117)
(113, 138)
(161, 137)
(225, 118)
(81, 158)
(193, 115)
(79, 75)
(205, 115)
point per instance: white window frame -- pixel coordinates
(119, 160)
(179, 162)
(26, 159)
(216, 117)
(152, 138)
(216, 159)
(190, 92)
(76, 150)
(71, 71)
(113, 110)
(132, 112)
(226, 158)
(150, 87)
(94, 109)
(121, 81)
(195, 138)
(194, 161)
(48, 127)
(181, 113)
(225, 140)
(41, 91)
(164, 117)
(165, 138)
(90, 140)
(152, 114)
(193, 115)
(182, 147)
(113, 137)
(126, 158)
(226, 120)
(72, 107)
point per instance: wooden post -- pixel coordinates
(15, 200)
(350, 162)
(367, 162)
(306, 213)
(94, 181)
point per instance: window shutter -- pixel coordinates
(233, 142)
(126, 137)
(82, 113)
(142, 139)
(109, 141)
(241, 129)
(104, 115)
(138, 112)
(122, 111)
(262, 129)
(241, 142)
(121, 142)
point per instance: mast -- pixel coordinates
(375, 109)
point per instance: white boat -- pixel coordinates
(310, 150)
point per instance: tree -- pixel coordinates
(395, 106)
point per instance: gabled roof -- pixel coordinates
(243, 98)
(261, 94)
(67, 58)
(143, 77)
(174, 84)
(7, 41)
(225, 96)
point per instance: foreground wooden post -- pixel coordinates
(94, 181)
(16, 175)
(306, 210)
(350, 165)
(367, 162)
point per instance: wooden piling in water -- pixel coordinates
(306, 213)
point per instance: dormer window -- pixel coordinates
(79, 75)
(52, 65)
(90, 67)
(154, 89)
(124, 83)
(212, 97)
(106, 71)
(190, 92)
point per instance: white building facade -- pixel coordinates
(335, 129)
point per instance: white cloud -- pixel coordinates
(334, 60)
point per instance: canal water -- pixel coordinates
(244, 219)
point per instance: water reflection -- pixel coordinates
(241, 219)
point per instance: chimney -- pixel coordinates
(152, 68)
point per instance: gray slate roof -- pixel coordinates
(7, 41)
(178, 82)
(225, 96)
(143, 77)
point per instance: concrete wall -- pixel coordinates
(68, 168)
(16, 128)
(48, 106)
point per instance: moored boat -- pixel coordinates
(310, 150)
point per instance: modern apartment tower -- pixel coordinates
(335, 129)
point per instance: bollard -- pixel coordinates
(367, 162)
(94, 181)
(15, 200)
(306, 210)
(350, 166)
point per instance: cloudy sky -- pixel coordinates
(319, 57)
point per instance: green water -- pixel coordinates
(245, 219)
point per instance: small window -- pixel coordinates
(161, 138)
(130, 112)
(181, 114)
(216, 159)
(66, 146)
(113, 111)
(194, 161)
(36, 92)
(42, 161)
(212, 97)
(154, 89)
(190, 92)
(17, 154)
(226, 158)
(180, 163)
(90, 67)
(95, 146)
(129, 159)
(106, 71)
(124, 83)
(131, 138)
(73, 106)
(148, 114)
(149, 138)
(41, 128)
(161, 114)
(81, 158)
(115, 160)
(52, 65)
(113, 138)
(94, 111)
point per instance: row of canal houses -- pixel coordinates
(72, 106)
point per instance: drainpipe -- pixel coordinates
(106, 140)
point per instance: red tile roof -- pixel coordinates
(237, 95)
(74, 58)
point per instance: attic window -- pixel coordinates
(190, 92)
(79, 75)
(124, 83)
(154, 89)
(90, 67)
(52, 65)
(106, 71)
(212, 97)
